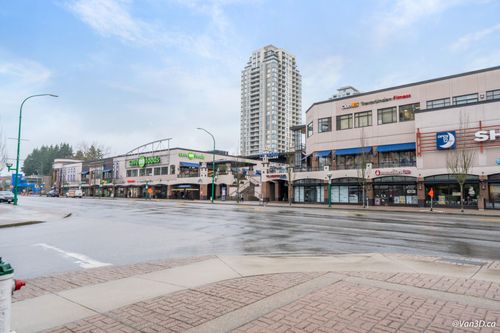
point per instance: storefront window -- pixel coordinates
(407, 112)
(347, 194)
(494, 197)
(309, 190)
(395, 190)
(493, 201)
(447, 190)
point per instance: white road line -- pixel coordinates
(79, 259)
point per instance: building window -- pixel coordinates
(132, 173)
(395, 159)
(407, 112)
(310, 129)
(142, 172)
(344, 122)
(172, 169)
(493, 94)
(387, 116)
(363, 119)
(324, 125)
(438, 103)
(164, 170)
(324, 161)
(346, 162)
(157, 171)
(465, 99)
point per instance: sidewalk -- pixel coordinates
(246, 294)
(11, 216)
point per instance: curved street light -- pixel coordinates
(213, 164)
(16, 179)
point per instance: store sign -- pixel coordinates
(393, 172)
(142, 161)
(192, 156)
(498, 161)
(446, 140)
(350, 106)
(490, 135)
(375, 101)
(270, 155)
(277, 176)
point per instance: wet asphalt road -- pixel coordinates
(127, 231)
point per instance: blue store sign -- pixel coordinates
(498, 160)
(446, 140)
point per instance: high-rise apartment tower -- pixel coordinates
(270, 101)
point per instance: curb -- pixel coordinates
(424, 210)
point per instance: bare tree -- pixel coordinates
(361, 166)
(459, 160)
(93, 151)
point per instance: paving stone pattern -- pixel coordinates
(51, 284)
(456, 285)
(185, 309)
(350, 307)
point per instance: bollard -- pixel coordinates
(7, 286)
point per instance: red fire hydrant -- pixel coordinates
(7, 287)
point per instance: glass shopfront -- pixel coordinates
(309, 191)
(347, 191)
(186, 191)
(395, 190)
(493, 201)
(447, 191)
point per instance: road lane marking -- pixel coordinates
(79, 259)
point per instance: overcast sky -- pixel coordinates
(129, 72)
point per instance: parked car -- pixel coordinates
(53, 193)
(6, 196)
(74, 194)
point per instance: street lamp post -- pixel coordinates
(16, 179)
(329, 190)
(213, 164)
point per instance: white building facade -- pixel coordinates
(270, 101)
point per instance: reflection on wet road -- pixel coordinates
(126, 231)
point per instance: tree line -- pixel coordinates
(40, 160)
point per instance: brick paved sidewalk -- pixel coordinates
(356, 302)
(50, 284)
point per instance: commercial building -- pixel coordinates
(174, 173)
(391, 146)
(270, 101)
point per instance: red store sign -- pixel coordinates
(393, 172)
